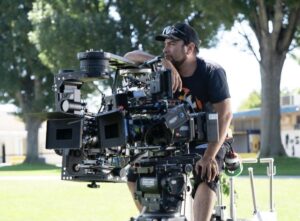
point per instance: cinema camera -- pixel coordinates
(140, 124)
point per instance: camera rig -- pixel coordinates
(140, 124)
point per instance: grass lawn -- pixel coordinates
(285, 166)
(286, 197)
(56, 200)
(29, 169)
(50, 200)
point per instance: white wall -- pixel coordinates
(291, 142)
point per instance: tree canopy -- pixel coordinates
(25, 81)
(253, 101)
(114, 26)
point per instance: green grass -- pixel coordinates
(56, 200)
(29, 166)
(51, 200)
(29, 169)
(286, 197)
(285, 166)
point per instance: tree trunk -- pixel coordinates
(32, 127)
(271, 66)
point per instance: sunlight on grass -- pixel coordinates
(57, 200)
(286, 197)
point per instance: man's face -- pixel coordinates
(175, 51)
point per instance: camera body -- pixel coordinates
(140, 116)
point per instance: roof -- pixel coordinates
(255, 113)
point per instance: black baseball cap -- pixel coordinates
(179, 31)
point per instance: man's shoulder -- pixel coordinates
(209, 65)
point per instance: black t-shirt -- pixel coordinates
(206, 86)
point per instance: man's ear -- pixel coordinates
(190, 48)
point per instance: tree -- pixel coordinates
(150, 17)
(275, 24)
(107, 25)
(253, 101)
(25, 82)
(61, 29)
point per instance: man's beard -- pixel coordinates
(176, 63)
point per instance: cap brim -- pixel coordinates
(164, 37)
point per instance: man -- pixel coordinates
(206, 86)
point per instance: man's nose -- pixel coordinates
(165, 50)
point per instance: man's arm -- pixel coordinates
(138, 57)
(208, 163)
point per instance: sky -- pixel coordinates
(242, 68)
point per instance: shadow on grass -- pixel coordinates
(29, 167)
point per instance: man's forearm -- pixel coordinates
(225, 116)
(138, 56)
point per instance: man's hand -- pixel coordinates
(176, 79)
(208, 168)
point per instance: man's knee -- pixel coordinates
(204, 190)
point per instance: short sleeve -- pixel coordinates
(217, 85)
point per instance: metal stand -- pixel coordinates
(263, 215)
(232, 194)
(232, 200)
(250, 170)
(271, 171)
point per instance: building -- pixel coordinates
(246, 126)
(13, 138)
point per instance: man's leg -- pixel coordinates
(132, 186)
(204, 202)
